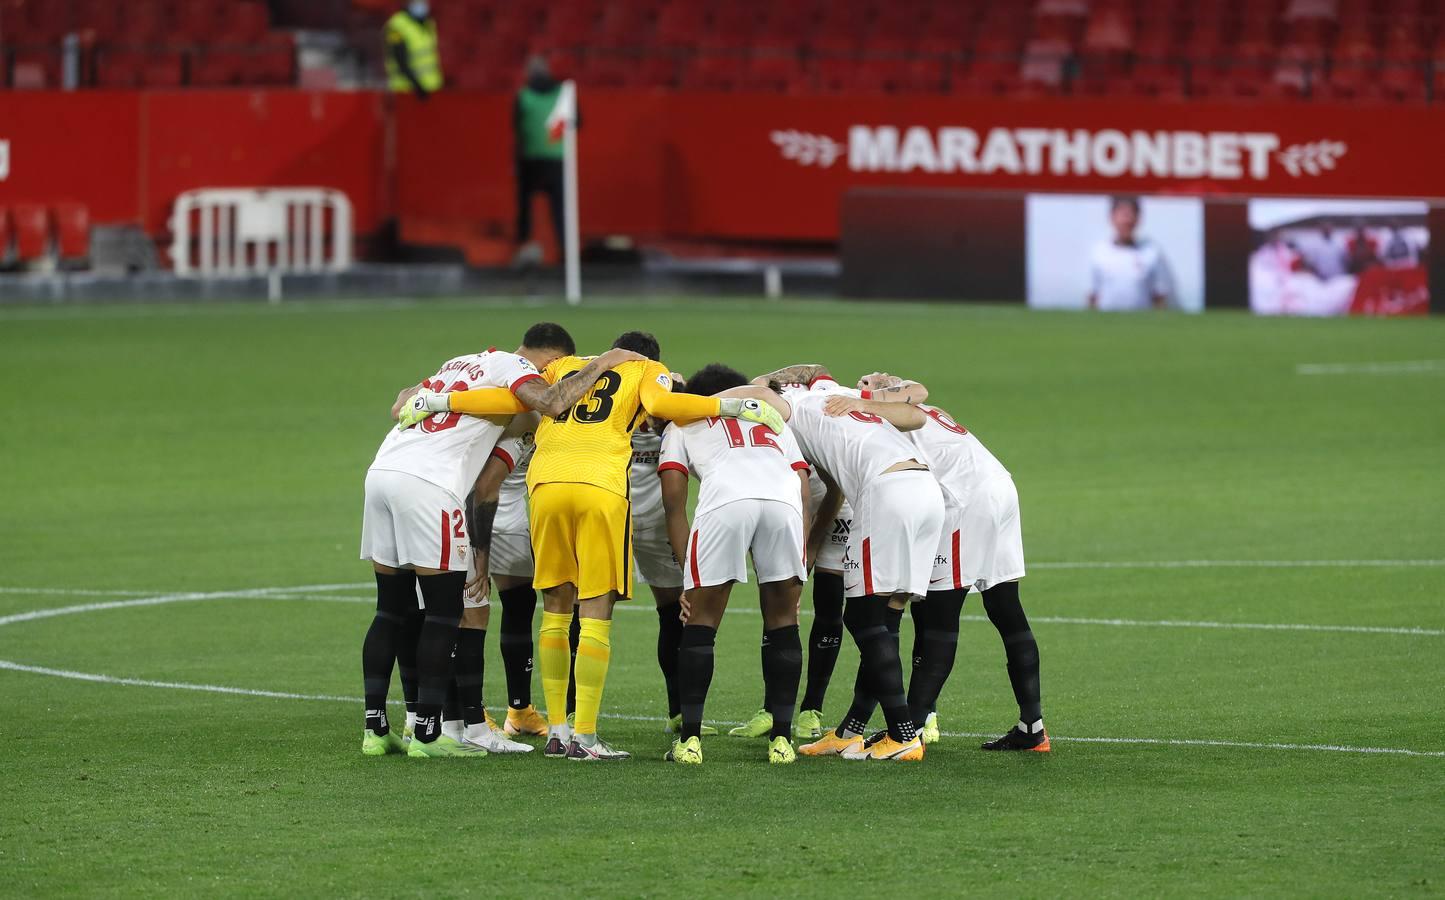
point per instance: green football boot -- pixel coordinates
(688, 752)
(443, 748)
(373, 744)
(808, 726)
(929, 731)
(758, 726)
(780, 752)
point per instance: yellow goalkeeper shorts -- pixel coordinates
(581, 534)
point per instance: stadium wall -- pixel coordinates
(695, 164)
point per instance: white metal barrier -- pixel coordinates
(260, 231)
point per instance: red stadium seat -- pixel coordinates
(199, 21)
(656, 70)
(118, 68)
(247, 21)
(714, 72)
(100, 18)
(730, 27)
(626, 25)
(779, 73)
(32, 232)
(143, 23)
(71, 227)
(679, 25)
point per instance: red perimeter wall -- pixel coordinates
(692, 164)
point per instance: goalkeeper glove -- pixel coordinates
(750, 410)
(423, 405)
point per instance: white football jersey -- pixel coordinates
(643, 486)
(449, 449)
(512, 497)
(852, 448)
(957, 459)
(735, 461)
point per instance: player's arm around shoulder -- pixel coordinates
(554, 394)
(892, 389)
(903, 416)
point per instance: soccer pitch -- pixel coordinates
(1235, 530)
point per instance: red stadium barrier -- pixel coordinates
(693, 164)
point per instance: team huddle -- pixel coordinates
(543, 470)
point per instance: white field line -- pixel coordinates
(334, 698)
(1394, 367)
(323, 593)
(307, 591)
(1248, 564)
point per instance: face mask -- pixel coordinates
(419, 9)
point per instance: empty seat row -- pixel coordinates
(270, 61)
(135, 21)
(32, 233)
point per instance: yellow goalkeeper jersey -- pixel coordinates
(592, 443)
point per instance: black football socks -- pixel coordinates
(669, 641)
(935, 646)
(1001, 602)
(782, 669)
(694, 675)
(395, 607)
(519, 606)
(825, 639)
(442, 594)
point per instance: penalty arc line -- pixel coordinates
(264, 593)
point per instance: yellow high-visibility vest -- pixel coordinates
(421, 49)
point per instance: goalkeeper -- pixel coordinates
(580, 514)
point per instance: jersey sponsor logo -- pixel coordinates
(940, 560)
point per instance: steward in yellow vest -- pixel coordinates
(412, 61)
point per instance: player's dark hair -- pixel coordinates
(1128, 200)
(714, 378)
(549, 336)
(639, 342)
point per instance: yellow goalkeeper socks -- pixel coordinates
(554, 656)
(594, 652)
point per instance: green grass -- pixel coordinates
(223, 449)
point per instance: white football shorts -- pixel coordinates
(722, 538)
(982, 543)
(511, 554)
(652, 559)
(407, 522)
(894, 534)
